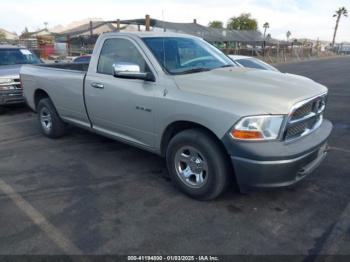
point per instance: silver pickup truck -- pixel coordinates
(11, 59)
(178, 96)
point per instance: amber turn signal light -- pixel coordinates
(246, 134)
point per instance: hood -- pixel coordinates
(10, 70)
(273, 92)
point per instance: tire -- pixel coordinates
(197, 164)
(51, 124)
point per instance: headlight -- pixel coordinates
(6, 83)
(5, 80)
(265, 127)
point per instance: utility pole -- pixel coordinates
(91, 30)
(164, 29)
(118, 25)
(68, 43)
(148, 22)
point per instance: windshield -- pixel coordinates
(180, 55)
(17, 57)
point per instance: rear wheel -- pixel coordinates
(197, 164)
(50, 122)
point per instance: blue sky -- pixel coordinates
(308, 18)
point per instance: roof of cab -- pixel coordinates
(149, 34)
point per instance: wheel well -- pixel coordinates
(38, 95)
(179, 126)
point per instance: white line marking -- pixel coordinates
(51, 231)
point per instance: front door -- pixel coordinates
(120, 107)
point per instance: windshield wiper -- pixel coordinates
(195, 70)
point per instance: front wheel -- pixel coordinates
(197, 164)
(50, 122)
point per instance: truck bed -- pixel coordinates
(83, 67)
(63, 83)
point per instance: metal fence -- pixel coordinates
(275, 55)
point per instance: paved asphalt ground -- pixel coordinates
(88, 194)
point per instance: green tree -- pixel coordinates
(338, 14)
(216, 24)
(242, 22)
(266, 26)
(288, 34)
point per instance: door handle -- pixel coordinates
(97, 85)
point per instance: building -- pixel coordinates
(343, 48)
(41, 42)
(83, 37)
(9, 35)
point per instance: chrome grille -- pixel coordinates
(302, 111)
(305, 117)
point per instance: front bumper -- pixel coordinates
(277, 163)
(11, 97)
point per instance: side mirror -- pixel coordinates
(130, 71)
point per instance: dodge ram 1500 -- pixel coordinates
(180, 97)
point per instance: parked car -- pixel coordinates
(177, 96)
(252, 62)
(82, 59)
(11, 60)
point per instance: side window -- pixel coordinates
(119, 50)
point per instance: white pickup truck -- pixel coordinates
(178, 96)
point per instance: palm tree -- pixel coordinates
(266, 26)
(340, 12)
(288, 34)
